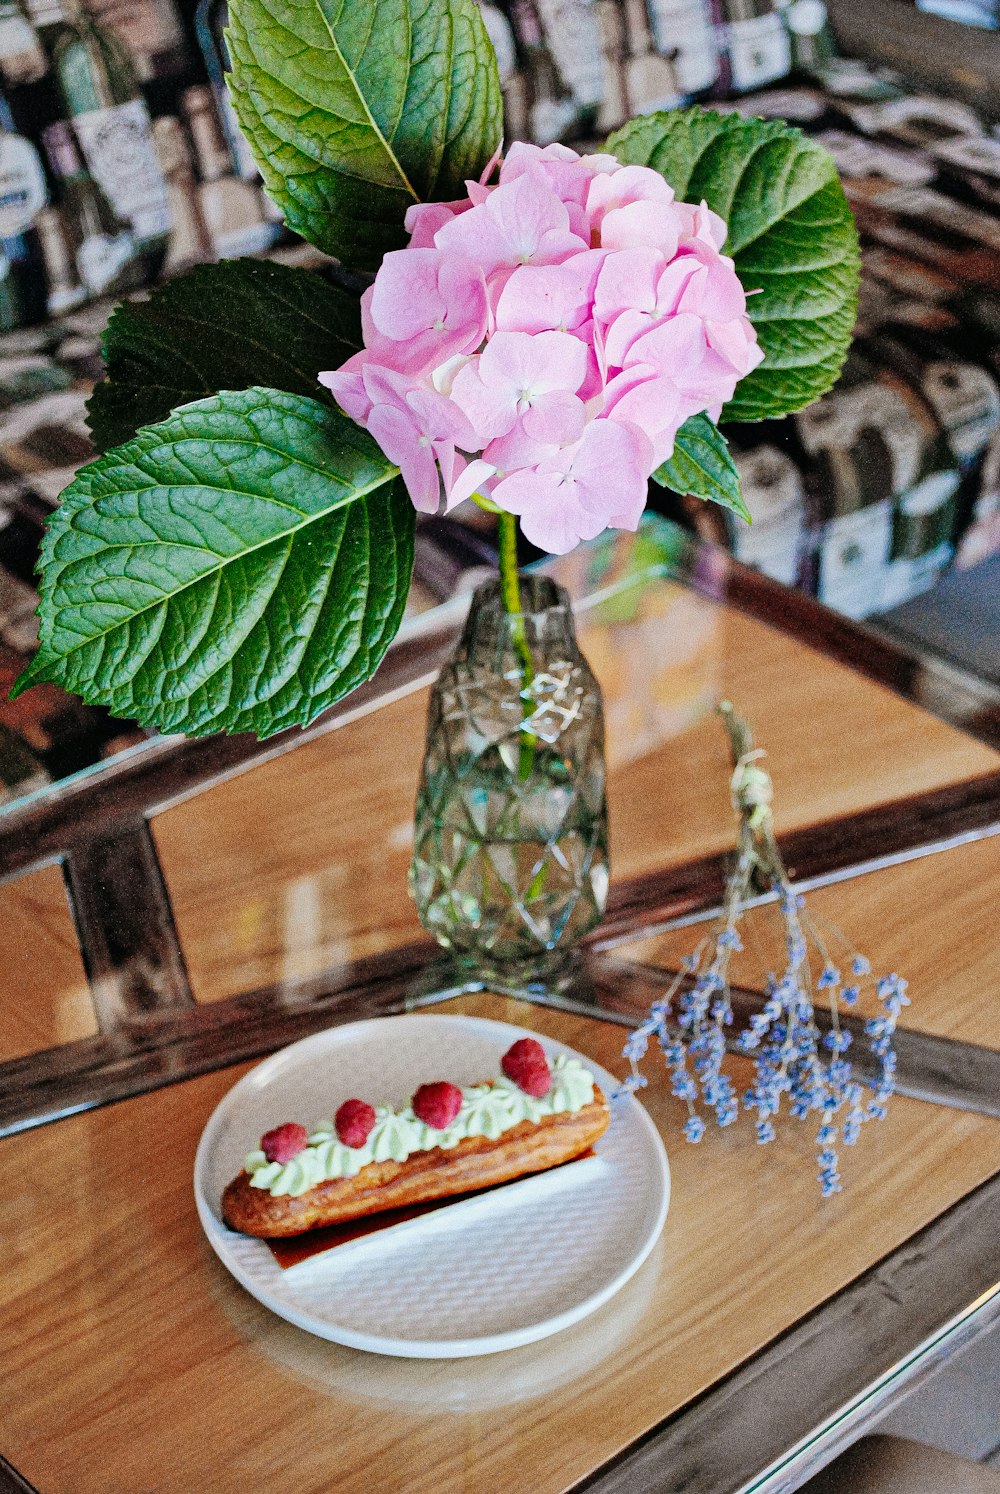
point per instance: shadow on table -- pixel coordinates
(481, 1383)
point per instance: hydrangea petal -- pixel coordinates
(549, 298)
(490, 410)
(736, 341)
(521, 222)
(713, 290)
(653, 405)
(622, 333)
(441, 418)
(516, 449)
(403, 444)
(473, 477)
(547, 506)
(347, 386)
(627, 282)
(406, 299)
(556, 419)
(639, 224)
(520, 362)
(423, 220)
(611, 190)
(672, 346)
(612, 468)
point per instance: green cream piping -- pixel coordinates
(487, 1110)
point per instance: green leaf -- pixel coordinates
(356, 109)
(223, 326)
(791, 235)
(238, 567)
(702, 466)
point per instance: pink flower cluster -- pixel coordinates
(542, 341)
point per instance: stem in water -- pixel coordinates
(510, 590)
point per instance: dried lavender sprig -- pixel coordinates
(791, 1055)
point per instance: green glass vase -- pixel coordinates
(510, 859)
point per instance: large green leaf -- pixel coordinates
(224, 326)
(791, 235)
(702, 465)
(238, 567)
(356, 109)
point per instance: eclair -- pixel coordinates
(535, 1115)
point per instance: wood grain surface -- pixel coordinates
(130, 1360)
(44, 996)
(301, 863)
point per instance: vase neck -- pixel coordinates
(545, 622)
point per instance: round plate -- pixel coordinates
(487, 1273)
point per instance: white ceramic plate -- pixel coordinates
(487, 1273)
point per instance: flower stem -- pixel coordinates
(509, 579)
(510, 591)
(751, 793)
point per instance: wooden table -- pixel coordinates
(769, 1325)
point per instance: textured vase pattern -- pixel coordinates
(510, 862)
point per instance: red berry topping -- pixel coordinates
(437, 1104)
(526, 1064)
(284, 1142)
(353, 1122)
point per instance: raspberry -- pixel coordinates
(526, 1064)
(353, 1122)
(437, 1104)
(284, 1142)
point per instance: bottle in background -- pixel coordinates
(611, 29)
(810, 37)
(190, 239)
(501, 35)
(885, 483)
(232, 208)
(960, 408)
(957, 371)
(103, 247)
(756, 44)
(211, 18)
(774, 492)
(551, 111)
(22, 58)
(962, 391)
(571, 33)
(981, 538)
(20, 771)
(23, 196)
(851, 509)
(923, 530)
(684, 33)
(651, 81)
(100, 96)
(149, 30)
(66, 289)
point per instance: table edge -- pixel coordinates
(755, 1432)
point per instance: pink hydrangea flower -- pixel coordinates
(543, 340)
